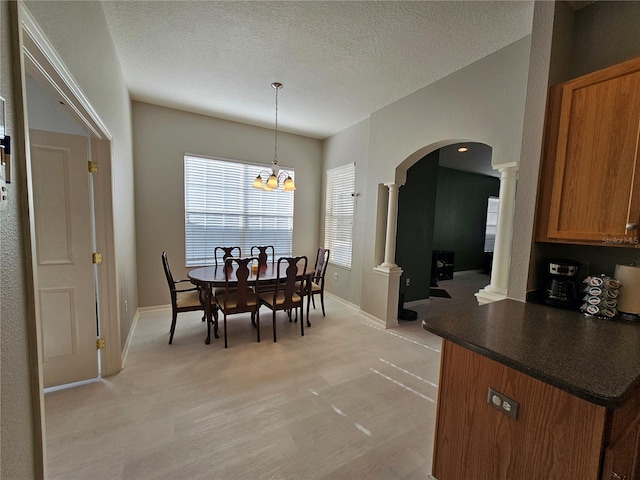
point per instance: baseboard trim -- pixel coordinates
(154, 308)
(357, 308)
(125, 350)
(342, 301)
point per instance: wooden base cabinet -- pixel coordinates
(556, 435)
(590, 180)
(622, 452)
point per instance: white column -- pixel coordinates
(388, 273)
(499, 286)
(392, 220)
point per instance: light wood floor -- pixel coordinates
(349, 400)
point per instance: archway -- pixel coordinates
(442, 222)
(498, 286)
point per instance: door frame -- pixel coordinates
(38, 57)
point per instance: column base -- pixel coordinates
(490, 294)
(386, 307)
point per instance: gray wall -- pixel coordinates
(604, 33)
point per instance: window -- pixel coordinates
(338, 223)
(221, 208)
(493, 206)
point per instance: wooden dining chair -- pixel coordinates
(220, 254)
(182, 299)
(262, 252)
(317, 279)
(238, 296)
(315, 282)
(285, 296)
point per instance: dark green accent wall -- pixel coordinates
(461, 215)
(414, 237)
(440, 209)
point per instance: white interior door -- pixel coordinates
(63, 231)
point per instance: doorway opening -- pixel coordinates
(43, 67)
(442, 228)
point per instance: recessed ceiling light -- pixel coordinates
(462, 149)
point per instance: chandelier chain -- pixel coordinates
(275, 152)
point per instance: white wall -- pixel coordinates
(78, 32)
(161, 138)
(45, 113)
(350, 145)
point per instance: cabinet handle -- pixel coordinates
(632, 226)
(618, 477)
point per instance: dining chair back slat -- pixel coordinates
(286, 295)
(262, 252)
(220, 254)
(238, 296)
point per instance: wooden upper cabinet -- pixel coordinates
(590, 183)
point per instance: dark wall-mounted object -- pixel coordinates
(5, 145)
(5, 157)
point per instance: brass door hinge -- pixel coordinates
(101, 343)
(96, 258)
(93, 167)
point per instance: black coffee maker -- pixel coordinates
(563, 288)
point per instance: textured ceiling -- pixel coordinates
(339, 61)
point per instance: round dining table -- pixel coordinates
(212, 277)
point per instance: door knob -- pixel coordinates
(632, 226)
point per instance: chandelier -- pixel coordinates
(275, 177)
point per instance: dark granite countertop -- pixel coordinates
(594, 359)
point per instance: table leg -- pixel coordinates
(207, 312)
(308, 299)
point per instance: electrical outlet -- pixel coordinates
(407, 282)
(503, 403)
(4, 195)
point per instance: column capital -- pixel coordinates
(506, 165)
(508, 170)
(392, 186)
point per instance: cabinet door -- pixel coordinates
(622, 455)
(556, 435)
(621, 459)
(595, 192)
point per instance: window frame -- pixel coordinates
(220, 192)
(340, 214)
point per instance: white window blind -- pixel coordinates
(338, 224)
(493, 205)
(221, 208)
